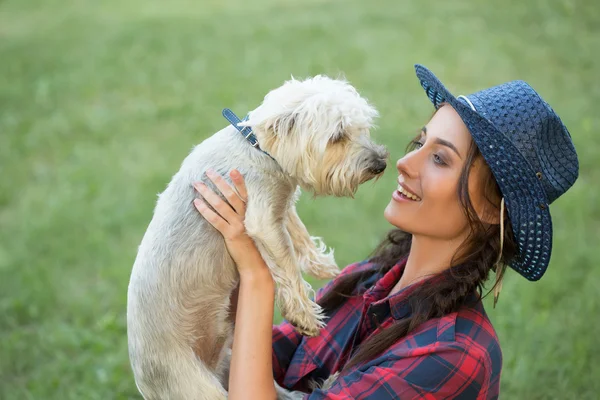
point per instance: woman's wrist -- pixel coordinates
(249, 261)
(257, 275)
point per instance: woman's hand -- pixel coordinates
(229, 220)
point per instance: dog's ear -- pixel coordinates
(284, 124)
(338, 134)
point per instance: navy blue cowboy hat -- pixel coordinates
(529, 151)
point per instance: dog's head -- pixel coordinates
(318, 130)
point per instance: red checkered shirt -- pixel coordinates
(457, 356)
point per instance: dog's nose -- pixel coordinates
(378, 166)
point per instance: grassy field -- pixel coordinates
(101, 101)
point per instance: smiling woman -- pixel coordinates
(409, 322)
(428, 202)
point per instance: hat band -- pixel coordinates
(468, 102)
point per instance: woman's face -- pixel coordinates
(431, 174)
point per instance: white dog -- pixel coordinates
(313, 134)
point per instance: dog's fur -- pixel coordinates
(318, 133)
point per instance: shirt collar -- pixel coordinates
(398, 302)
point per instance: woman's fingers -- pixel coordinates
(240, 184)
(210, 197)
(212, 217)
(238, 202)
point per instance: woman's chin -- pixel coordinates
(393, 215)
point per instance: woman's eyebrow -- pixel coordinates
(443, 142)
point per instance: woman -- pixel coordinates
(472, 197)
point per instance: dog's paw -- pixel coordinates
(324, 268)
(306, 330)
(321, 262)
(308, 319)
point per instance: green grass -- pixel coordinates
(101, 101)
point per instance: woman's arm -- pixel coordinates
(251, 369)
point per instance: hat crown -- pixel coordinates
(519, 113)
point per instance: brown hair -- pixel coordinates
(470, 267)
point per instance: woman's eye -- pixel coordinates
(438, 160)
(417, 144)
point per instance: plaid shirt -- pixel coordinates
(453, 357)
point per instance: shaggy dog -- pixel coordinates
(313, 134)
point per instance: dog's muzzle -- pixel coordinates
(377, 166)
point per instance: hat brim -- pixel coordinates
(523, 192)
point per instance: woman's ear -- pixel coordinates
(485, 194)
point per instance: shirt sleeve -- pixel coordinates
(451, 373)
(285, 342)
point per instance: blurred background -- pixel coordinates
(100, 101)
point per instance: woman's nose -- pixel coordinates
(407, 165)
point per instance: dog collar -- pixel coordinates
(246, 131)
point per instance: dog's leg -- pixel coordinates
(312, 253)
(274, 242)
(293, 293)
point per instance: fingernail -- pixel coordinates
(210, 171)
(197, 185)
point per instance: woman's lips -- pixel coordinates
(407, 193)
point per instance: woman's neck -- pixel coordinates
(428, 256)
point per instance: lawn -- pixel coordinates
(100, 101)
